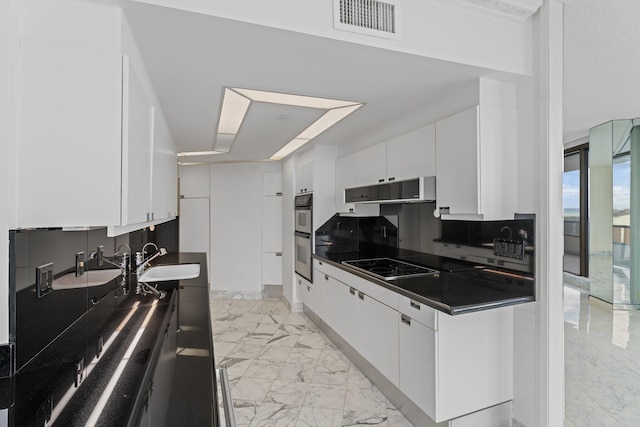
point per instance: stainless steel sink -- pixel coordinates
(163, 273)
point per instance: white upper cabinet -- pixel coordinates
(345, 178)
(164, 182)
(476, 162)
(371, 165)
(91, 139)
(304, 177)
(137, 149)
(412, 155)
(69, 135)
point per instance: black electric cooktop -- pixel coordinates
(390, 269)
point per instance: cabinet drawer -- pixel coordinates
(419, 312)
(378, 292)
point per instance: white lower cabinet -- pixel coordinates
(306, 293)
(377, 331)
(449, 366)
(417, 363)
(461, 366)
(342, 315)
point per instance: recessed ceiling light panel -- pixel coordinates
(236, 102)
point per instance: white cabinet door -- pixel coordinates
(137, 155)
(474, 349)
(342, 315)
(272, 268)
(194, 186)
(304, 177)
(194, 225)
(311, 298)
(272, 184)
(457, 163)
(272, 224)
(301, 291)
(417, 363)
(69, 127)
(377, 330)
(475, 152)
(412, 155)
(345, 178)
(371, 165)
(164, 186)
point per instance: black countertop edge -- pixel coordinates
(451, 310)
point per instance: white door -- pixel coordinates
(194, 225)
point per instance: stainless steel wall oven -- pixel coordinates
(303, 235)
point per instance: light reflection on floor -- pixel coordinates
(602, 363)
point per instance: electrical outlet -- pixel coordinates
(100, 255)
(44, 279)
(79, 264)
(79, 372)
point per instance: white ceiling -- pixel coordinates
(192, 57)
(601, 63)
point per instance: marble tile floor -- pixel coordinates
(284, 371)
(602, 363)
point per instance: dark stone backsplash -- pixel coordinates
(35, 322)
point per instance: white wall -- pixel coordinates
(288, 227)
(9, 20)
(538, 327)
(429, 28)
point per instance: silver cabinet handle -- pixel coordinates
(381, 180)
(361, 295)
(352, 291)
(406, 320)
(414, 305)
(278, 253)
(392, 178)
(326, 277)
(308, 288)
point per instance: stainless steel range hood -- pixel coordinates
(421, 189)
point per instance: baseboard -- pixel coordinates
(251, 295)
(295, 308)
(272, 291)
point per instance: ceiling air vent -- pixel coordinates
(370, 17)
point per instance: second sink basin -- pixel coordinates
(162, 273)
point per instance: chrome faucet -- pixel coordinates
(142, 263)
(143, 288)
(122, 264)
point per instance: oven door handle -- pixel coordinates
(303, 235)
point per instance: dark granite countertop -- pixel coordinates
(131, 327)
(460, 287)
